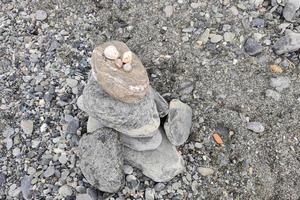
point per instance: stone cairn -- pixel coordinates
(124, 122)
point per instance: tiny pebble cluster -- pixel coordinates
(112, 53)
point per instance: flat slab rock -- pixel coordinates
(101, 162)
(179, 122)
(288, 43)
(139, 119)
(160, 165)
(142, 144)
(125, 86)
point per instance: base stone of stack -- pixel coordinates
(139, 119)
(142, 144)
(101, 160)
(179, 122)
(161, 164)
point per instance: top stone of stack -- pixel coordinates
(128, 84)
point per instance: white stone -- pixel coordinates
(204, 171)
(127, 57)
(111, 52)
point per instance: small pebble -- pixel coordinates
(71, 82)
(149, 194)
(127, 169)
(168, 11)
(159, 187)
(119, 63)
(204, 171)
(27, 126)
(41, 15)
(252, 47)
(127, 57)
(127, 67)
(215, 38)
(256, 127)
(111, 52)
(65, 191)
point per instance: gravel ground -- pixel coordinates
(214, 55)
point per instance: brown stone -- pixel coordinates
(128, 87)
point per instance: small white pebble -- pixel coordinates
(111, 52)
(127, 57)
(127, 67)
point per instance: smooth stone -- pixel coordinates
(161, 164)
(142, 144)
(288, 43)
(256, 127)
(65, 191)
(93, 125)
(41, 15)
(27, 126)
(132, 181)
(71, 82)
(229, 36)
(140, 119)
(2, 178)
(273, 94)
(111, 52)
(159, 187)
(127, 57)
(168, 11)
(14, 191)
(127, 169)
(127, 67)
(290, 9)
(26, 187)
(215, 38)
(161, 104)
(204, 36)
(100, 159)
(204, 171)
(179, 122)
(252, 47)
(84, 197)
(49, 172)
(280, 83)
(128, 87)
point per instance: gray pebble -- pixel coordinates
(258, 22)
(280, 83)
(27, 126)
(288, 43)
(273, 94)
(26, 186)
(252, 47)
(229, 36)
(168, 11)
(215, 38)
(71, 82)
(149, 194)
(65, 191)
(290, 9)
(204, 171)
(41, 15)
(127, 169)
(256, 127)
(49, 172)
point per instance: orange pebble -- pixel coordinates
(217, 138)
(276, 69)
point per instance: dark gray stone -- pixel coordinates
(101, 159)
(290, 9)
(161, 104)
(142, 144)
(258, 22)
(139, 119)
(161, 164)
(179, 122)
(288, 43)
(252, 47)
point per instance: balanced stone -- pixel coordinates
(161, 104)
(125, 86)
(143, 144)
(161, 164)
(138, 119)
(101, 161)
(288, 43)
(179, 122)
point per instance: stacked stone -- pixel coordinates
(124, 122)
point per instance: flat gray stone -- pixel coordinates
(41, 15)
(49, 171)
(280, 83)
(139, 119)
(27, 126)
(256, 127)
(252, 47)
(273, 94)
(290, 9)
(288, 43)
(179, 122)
(161, 164)
(161, 104)
(142, 144)
(101, 162)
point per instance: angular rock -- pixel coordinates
(26, 187)
(252, 47)
(179, 122)
(161, 164)
(142, 144)
(139, 119)
(290, 9)
(27, 126)
(129, 87)
(101, 162)
(280, 83)
(288, 43)
(161, 104)
(93, 125)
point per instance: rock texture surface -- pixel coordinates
(140, 119)
(143, 144)
(288, 43)
(161, 104)
(179, 122)
(160, 165)
(290, 9)
(125, 86)
(101, 160)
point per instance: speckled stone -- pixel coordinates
(125, 86)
